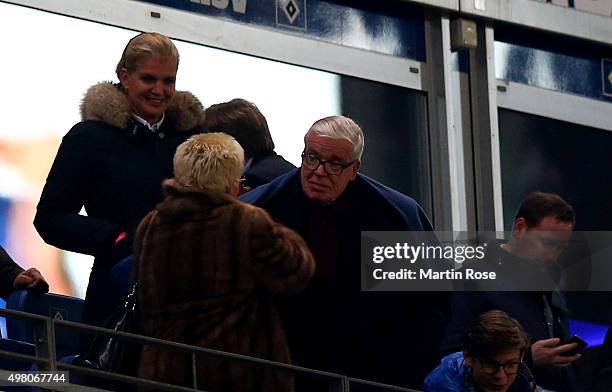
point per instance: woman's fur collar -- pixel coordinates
(106, 102)
(190, 201)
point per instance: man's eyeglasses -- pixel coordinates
(242, 181)
(332, 168)
(490, 366)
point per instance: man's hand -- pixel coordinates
(31, 279)
(547, 354)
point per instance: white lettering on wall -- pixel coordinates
(221, 4)
(238, 6)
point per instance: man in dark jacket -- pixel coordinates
(13, 277)
(243, 120)
(541, 230)
(334, 326)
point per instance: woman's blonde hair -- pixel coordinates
(144, 46)
(211, 161)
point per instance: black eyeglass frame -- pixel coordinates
(491, 366)
(336, 172)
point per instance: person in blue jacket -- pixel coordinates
(491, 360)
(333, 325)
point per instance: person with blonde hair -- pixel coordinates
(209, 267)
(113, 162)
(213, 162)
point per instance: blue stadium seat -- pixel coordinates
(16, 346)
(603, 369)
(593, 333)
(19, 347)
(54, 305)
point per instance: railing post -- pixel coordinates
(46, 353)
(340, 384)
(45, 343)
(51, 343)
(194, 370)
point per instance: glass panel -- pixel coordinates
(47, 75)
(543, 154)
(394, 121)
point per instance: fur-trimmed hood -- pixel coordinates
(106, 102)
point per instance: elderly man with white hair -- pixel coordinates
(333, 325)
(208, 267)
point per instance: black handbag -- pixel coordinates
(111, 354)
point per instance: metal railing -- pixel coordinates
(45, 358)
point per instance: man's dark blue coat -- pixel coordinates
(388, 337)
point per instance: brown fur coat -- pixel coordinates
(208, 267)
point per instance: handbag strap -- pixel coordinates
(131, 298)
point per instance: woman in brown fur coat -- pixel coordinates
(208, 268)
